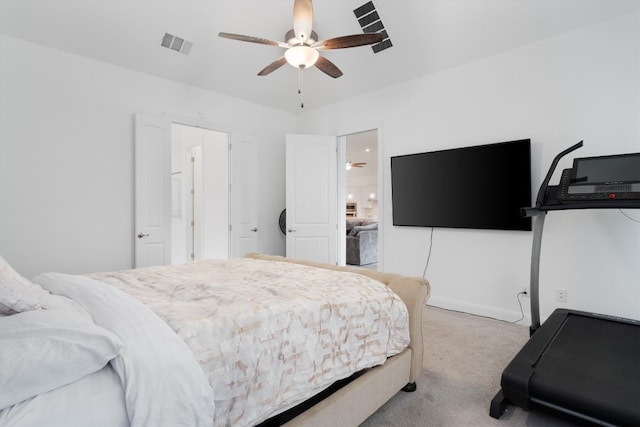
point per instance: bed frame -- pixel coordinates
(357, 400)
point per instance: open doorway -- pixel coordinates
(199, 194)
(361, 199)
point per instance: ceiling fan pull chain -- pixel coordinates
(300, 82)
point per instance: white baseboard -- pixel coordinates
(480, 310)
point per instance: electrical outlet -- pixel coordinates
(561, 295)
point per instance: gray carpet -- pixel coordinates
(464, 359)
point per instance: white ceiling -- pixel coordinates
(362, 147)
(427, 36)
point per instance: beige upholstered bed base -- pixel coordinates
(356, 401)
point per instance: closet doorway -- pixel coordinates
(199, 194)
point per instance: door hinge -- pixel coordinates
(193, 160)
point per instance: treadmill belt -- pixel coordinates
(592, 367)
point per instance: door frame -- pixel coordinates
(210, 126)
(233, 137)
(341, 193)
(194, 202)
(171, 119)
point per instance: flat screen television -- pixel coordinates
(479, 187)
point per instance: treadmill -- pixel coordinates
(580, 364)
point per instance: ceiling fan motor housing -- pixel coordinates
(291, 40)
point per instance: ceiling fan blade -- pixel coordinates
(273, 66)
(328, 67)
(302, 19)
(349, 41)
(252, 39)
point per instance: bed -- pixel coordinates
(169, 346)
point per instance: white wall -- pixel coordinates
(360, 187)
(580, 85)
(66, 156)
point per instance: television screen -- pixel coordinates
(481, 187)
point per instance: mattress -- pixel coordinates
(268, 335)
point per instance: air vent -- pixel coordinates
(370, 21)
(176, 43)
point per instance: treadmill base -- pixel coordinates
(581, 364)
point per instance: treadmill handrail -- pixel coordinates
(538, 225)
(542, 192)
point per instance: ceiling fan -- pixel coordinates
(302, 44)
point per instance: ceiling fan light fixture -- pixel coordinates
(301, 56)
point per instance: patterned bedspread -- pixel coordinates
(269, 335)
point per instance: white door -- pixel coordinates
(311, 193)
(244, 195)
(152, 191)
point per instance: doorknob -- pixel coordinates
(291, 230)
(141, 235)
(254, 229)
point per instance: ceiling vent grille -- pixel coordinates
(370, 21)
(176, 43)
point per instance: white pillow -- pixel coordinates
(41, 350)
(17, 294)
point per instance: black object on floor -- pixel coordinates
(581, 364)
